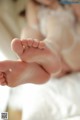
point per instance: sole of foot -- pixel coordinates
(35, 51)
(14, 73)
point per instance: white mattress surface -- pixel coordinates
(59, 99)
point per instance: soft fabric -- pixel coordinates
(59, 99)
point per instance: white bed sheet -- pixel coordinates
(56, 100)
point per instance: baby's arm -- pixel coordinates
(32, 28)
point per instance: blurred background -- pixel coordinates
(55, 100)
(11, 23)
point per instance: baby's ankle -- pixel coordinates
(52, 45)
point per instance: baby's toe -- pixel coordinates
(1, 75)
(3, 83)
(35, 44)
(17, 46)
(2, 80)
(24, 43)
(30, 42)
(41, 45)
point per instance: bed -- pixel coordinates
(58, 99)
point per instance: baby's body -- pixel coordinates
(57, 27)
(52, 51)
(61, 14)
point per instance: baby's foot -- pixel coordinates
(38, 52)
(2, 80)
(14, 73)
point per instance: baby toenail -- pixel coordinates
(10, 70)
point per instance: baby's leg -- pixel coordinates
(68, 44)
(45, 53)
(29, 32)
(18, 47)
(5, 40)
(14, 73)
(72, 56)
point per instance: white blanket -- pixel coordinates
(59, 99)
